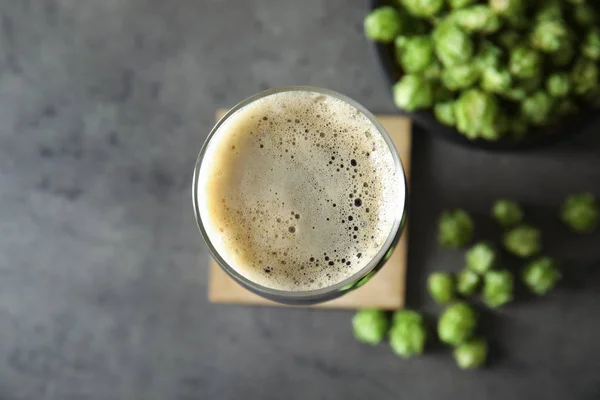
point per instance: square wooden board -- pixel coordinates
(385, 290)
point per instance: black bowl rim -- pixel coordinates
(425, 118)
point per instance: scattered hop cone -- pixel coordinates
(481, 257)
(541, 275)
(370, 326)
(441, 287)
(497, 288)
(523, 241)
(466, 282)
(580, 212)
(408, 334)
(456, 324)
(471, 354)
(455, 228)
(507, 213)
(383, 24)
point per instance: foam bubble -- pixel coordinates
(277, 209)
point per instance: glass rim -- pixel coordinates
(303, 294)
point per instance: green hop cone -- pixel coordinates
(591, 45)
(584, 76)
(558, 84)
(414, 54)
(441, 287)
(453, 46)
(523, 241)
(497, 288)
(444, 112)
(456, 324)
(370, 326)
(466, 282)
(481, 257)
(471, 354)
(525, 62)
(422, 8)
(476, 18)
(455, 228)
(489, 56)
(408, 334)
(496, 80)
(537, 108)
(383, 24)
(413, 92)
(460, 76)
(403, 316)
(580, 212)
(507, 213)
(476, 114)
(541, 275)
(549, 35)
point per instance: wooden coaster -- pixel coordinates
(385, 290)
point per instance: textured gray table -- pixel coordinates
(103, 107)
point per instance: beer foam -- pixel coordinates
(298, 191)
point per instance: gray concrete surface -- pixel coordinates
(103, 107)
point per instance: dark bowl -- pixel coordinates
(539, 137)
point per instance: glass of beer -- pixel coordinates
(299, 194)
